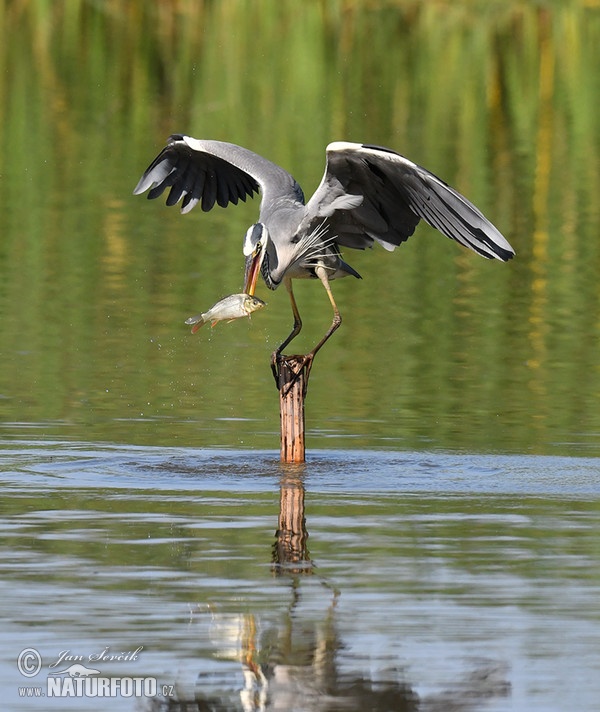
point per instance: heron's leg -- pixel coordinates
(337, 317)
(293, 333)
(308, 358)
(297, 320)
(321, 273)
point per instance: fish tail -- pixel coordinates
(197, 322)
(197, 325)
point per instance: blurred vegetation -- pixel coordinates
(497, 97)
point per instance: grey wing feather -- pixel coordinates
(396, 194)
(209, 172)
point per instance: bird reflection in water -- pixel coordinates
(290, 661)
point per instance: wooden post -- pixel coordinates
(292, 383)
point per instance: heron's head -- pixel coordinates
(255, 244)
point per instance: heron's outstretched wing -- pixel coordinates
(214, 172)
(395, 193)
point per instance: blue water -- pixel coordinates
(33, 463)
(439, 580)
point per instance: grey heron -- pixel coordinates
(368, 194)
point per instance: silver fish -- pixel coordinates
(235, 306)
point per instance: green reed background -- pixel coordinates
(438, 348)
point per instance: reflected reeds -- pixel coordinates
(498, 98)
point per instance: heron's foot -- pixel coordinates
(303, 364)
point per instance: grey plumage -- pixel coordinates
(368, 194)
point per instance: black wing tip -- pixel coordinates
(505, 255)
(501, 252)
(492, 251)
(178, 176)
(375, 147)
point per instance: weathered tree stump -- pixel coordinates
(292, 381)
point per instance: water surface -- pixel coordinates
(436, 578)
(439, 347)
(449, 557)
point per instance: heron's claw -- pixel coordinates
(305, 361)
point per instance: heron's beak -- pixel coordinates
(253, 264)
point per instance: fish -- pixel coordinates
(235, 306)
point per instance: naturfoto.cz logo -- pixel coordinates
(76, 679)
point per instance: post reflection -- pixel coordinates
(290, 551)
(294, 659)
